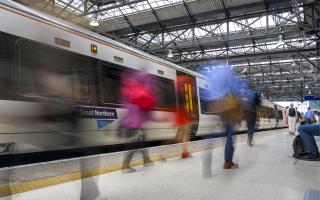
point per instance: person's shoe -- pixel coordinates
(128, 170)
(311, 157)
(185, 154)
(230, 165)
(249, 143)
(148, 163)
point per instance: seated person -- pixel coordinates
(307, 133)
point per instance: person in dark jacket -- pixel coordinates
(250, 106)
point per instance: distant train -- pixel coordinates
(31, 41)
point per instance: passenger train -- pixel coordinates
(31, 41)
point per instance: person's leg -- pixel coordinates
(133, 146)
(307, 133)
(294, 125)
(144, 152)
(229, 149)
(251, 123)
(290, 125)
(185, 140)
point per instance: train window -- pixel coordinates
(47, 70)
(280, 114)
(167, 95)
(110, 80)
(204, 103)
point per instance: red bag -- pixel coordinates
(142, 96)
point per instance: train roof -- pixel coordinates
(93, 35)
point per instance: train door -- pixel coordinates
(188, 98)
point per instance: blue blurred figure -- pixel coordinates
(309, 115)
(224, 91)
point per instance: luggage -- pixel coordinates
(299, 148)
(228, 108)
(292, 112)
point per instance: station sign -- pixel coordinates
(311, 98)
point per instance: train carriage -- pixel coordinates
(31, 41)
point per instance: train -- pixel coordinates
(31, 41)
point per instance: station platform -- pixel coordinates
(266, 171)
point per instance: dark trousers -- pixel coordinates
(309, 121)
(229, 149)
(251, 125)
(136, 146)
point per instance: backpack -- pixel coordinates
(142, 96)
(299, 148)
(292, 112)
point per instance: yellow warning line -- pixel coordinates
(15, 188)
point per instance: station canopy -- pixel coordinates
(274, 44)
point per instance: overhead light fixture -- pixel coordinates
(294, 64)
(94, 22)
(280, 40)
(170, 54)
(309, 92)
(306, 86)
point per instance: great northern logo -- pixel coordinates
(104, 116)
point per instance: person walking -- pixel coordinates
(292, 120)
(138, 95)
(223, 93)
(183, 118)
(309, 115)
(250, 112)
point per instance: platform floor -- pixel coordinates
(267, 171)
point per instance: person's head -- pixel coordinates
(308, 108)
(291, 105)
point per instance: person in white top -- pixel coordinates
(292, 120)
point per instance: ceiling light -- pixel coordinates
(309, 92)
(170, 54)
(94, 22)
(306, 86)
(281, 40)
(294, 64)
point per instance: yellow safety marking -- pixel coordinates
(16, 188)
(190, 97)
(186, 96)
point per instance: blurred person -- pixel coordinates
(138, 96)
(292, 120)
(302, 119)
(62, 113)
(309, 115)
(298, 115)
(250, 102)
(224, 89)
(182, 120)
(316, 117)
(307, 133)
